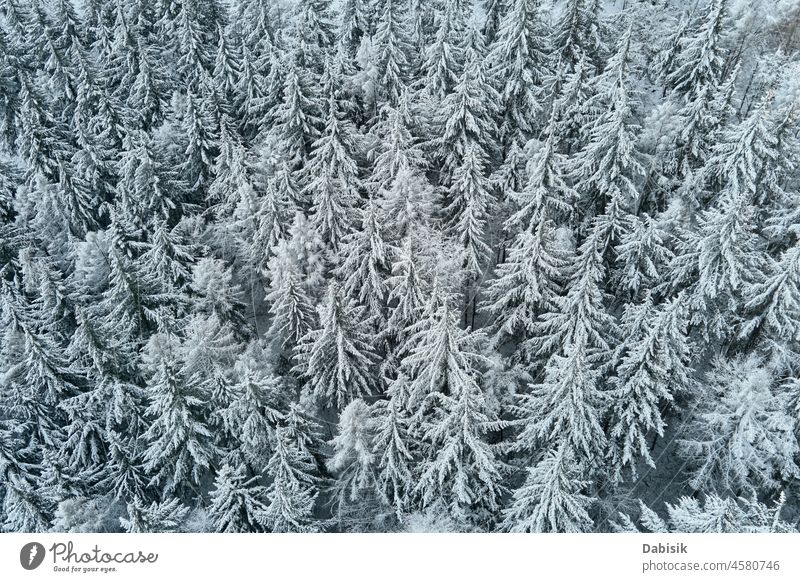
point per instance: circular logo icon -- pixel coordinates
(31, 555)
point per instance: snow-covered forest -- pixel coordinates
(399, 265)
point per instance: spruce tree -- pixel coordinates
(180, 451)
(338, 357)
(442, 60)
(154, 518)
(355, 499)
(460, 473)
(551, 500)
(518, 64)
(466, 118)
(237, 503)
(296, 117)
(392, 447)
(698, 83)
(393, 50)
(607, 166)
(292, 495)
(741, 439)
(527, 283)
(653, 371)
(773, 306)
(366, 266)
(332, 182)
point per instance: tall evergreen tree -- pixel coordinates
(698, 82)
(236, 503)
(551, 499)
(518, 65)
(607, 166)
(293, 492)
(180, 451)
(652, 371)
(741, 440)
(443, 60)
(333, 182)
(393, 50)
(338, 357)
(466, 118)
(366, 266)
(527, 283)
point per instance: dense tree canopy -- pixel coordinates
(490, 265)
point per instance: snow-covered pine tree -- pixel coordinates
(230, 170)
(443, 61)
(495, 11)
(354, 494)
(578, 39)
(154, 518)
(642, 256)
(394, 53)
(729, 254)
(606, 168)
(460, 475)
(567, 408)
(652, 372)
(392, 446)
(354, 23)
(180, 450)
(237, 503)
(143, 191)
(251, 97)
(662, 63)
(466, 119)
(527, 283)
(258, 33)
(745, 154)
(135, 302)
(292, 310)
(254, 412)
(40, 138)
(580, 317)
(551, 499)
(303, 252)
(314, 33)
(195, 62)
(208, 350)
(772, 305)
(332, 180)
(741, 439)
(292, 495)
(399, 149)
(296, 116)
(547, 193)
(339, 357)
(714, 514)
(518, 64)
(226, 68)
(36, 375)
(198, 125)
(107, 417)
(442, 354)
(217, 292)
(365, 268)
(697, 80)
(471, 205)
(407, 199)
(169, 257)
